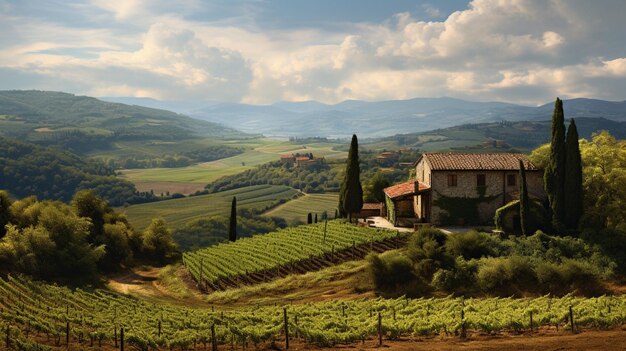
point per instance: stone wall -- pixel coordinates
(496, 190)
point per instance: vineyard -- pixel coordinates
(38, 316)
(299, 249)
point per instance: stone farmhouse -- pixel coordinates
(460, 188)
(303, 161)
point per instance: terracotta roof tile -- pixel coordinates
(404, 189)
(451, 161)
(372, 206)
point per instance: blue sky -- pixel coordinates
(264, 51)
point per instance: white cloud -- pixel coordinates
(520, 51)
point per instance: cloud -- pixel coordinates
(510, 50)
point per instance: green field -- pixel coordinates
(177, 212)
(190, 179)
(298, 209)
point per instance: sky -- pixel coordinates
(262, 51)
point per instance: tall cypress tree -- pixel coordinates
(523, 200)
(352, 197)
(232, 225)
(573, 180)
(309, 218)
(5, 204)
(554, 176)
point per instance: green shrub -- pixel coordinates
(570, 275)
(427, 248)
(506, 275)
(393, 275)
(459, 280)
(472, 244)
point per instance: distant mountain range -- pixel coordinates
(375, 119)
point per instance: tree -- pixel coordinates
(157, 241)
(604, 181)
(573, 179)
(87, 204)
(524, 210)
(351, 197)
(309, 218)
(5, 215)
(316, 218)
(375, 190)
(554, 176)
(232, 225)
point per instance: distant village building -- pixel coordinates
(496, 144)
(302, 160)
(288, 158)
(460, 188)
(387, 158)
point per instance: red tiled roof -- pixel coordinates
(372, 206)
(404, 189)
(451, 161)
(302, 158)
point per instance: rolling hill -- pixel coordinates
(521, 135)
(84, 123)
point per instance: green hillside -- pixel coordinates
(27, 169)
(523, 135)
(85, 124)
(177, 212)
(298, 209)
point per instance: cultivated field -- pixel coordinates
(36, 314)
(189, 179)
(177, 212)
(298, 209)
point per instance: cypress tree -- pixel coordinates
(309, 218)
(554, 176)
(573, 179)
(232, 225)
(352, 196)
(523, 200)
(316, 218)
(5, 204)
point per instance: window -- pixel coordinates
(511, 180)
(481, 180)
(451, 179)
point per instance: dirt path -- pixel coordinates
(545, 340)
(145, 284)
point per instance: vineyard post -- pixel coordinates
(286, 328)
(571, 318)
(115, 334)
(8, 338)
(213, 341)
(159, 335)
(325, 224)
(353, 249)
(67, 334)
(531, 321)
(295, 322)
(380, 330)
(463, 332)
(122, 339)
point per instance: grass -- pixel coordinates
(177, 212)
(193, 177)
(336, 282)
(170, 278)
(298, 209)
